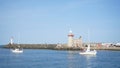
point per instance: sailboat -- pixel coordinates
(88, 51)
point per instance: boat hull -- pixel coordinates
(88, 53)
(17, 51)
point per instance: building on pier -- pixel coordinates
(74, 42)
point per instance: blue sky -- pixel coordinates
(49, 21)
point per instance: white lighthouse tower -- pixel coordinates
(70, 39)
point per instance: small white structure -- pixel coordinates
(117, 44)
(106, 44)
(70, 39)
(59, 46)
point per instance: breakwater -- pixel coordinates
(41, 46)
(56, 47)
(31, 46)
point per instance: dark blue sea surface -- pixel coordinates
(36, 58)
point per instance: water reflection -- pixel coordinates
(70, 55)
(73, 59)
(70, 59)
(89, 60)
(88, 57)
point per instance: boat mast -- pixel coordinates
(88, 44)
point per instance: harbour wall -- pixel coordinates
(31, 46)
(56, 47)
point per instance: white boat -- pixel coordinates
(17, 50)
(88, 51)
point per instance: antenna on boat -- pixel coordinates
(18, 40)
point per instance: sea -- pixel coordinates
(43, 58)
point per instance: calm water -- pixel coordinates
(58, 59)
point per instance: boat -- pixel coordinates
(88, 51)
(17, 50)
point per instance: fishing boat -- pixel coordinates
(17, 50)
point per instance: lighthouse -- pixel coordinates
(70, 39)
